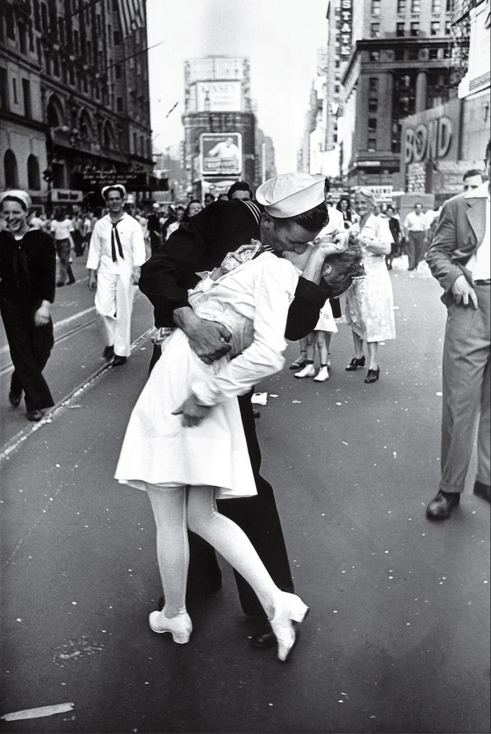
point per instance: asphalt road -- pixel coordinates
(398, 635)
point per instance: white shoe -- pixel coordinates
(308, 371)
(288, 609)
(180, 627)
(322, 375)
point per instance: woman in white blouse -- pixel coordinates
(369, 304)
(185, 443)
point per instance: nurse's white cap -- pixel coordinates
(290, 194)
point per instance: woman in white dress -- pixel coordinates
(185, 443)
(369, 304)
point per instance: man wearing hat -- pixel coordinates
(27, 289)
(116, 254)
(290, 211)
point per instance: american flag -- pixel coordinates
(131, 15)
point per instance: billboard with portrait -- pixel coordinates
(221, 153)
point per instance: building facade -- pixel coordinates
(219, 125)
(74, 105)
(400, 63)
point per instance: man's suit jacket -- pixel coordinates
(459, 233)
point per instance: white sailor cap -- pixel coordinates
(290, 194)
(116, 187)
(18, 194)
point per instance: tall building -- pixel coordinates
(74, 100)
(399, 64)
(219, 124)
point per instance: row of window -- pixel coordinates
(413, 54)
(11, 172)
(437, 6)
(413, 30)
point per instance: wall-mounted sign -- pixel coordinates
(428, 141)
(220, 96)
(66, 196)
(346, 28)
(221, 153)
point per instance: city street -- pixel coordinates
(397, 639)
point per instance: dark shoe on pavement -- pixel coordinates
(34, 415)
(15, 398)
(482, 490)
(441, 506)
(372, 375)
(264, 637)
(108, 353)
(117, 361)
(298, 364)
(355, 363)
(256, 413)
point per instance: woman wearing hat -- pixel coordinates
(27, 288)
(370, 303)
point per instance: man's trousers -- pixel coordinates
(114, 304)
(415, 249)
(466, 392)
(30, 347)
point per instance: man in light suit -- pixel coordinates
(459, 258)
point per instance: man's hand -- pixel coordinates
(192, 413)
(41, 316)
(464, 293)
(208, 339)
(135, 275)
(92, 284)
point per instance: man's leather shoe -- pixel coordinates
(264, 637)
(440, 508)
(482, 490)
(108, 353)
(15, 398)
(256, 413)
(117, 361)
(34, 415)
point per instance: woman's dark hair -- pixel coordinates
(313, 220)
(346, 266)
(17, 201)
(343, 198)
(185, 216)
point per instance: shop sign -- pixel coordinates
(219, 96)
(221, 153)
(66, 196)
(346, 28)
(130, 179)
(428, 141)
(381, 193)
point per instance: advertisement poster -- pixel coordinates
(221, 153)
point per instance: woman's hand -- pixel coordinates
(192, 413)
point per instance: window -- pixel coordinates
(135, 143)
(372, 105)
(448, 27)
(44, 16)
(117, 38)
(4, 103)
(433, 54)
(412, 54)
(374, 30)
(37, 16)
(373, 84)
(401, 7)
(399, 54)
(415, 28)
(119, 104)
(434, 27)
(375, 7)
(117, 70)
(415, 6)
(14, 89)
(33, 177)
(10, 170)
(447, 53)
(374, 55)
(26, 93)
(436, 6)
(449, 6)
(9, 21)
(400, 29)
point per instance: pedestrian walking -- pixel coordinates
(459, 258)
(395, 230)
(116, 254)
(369, 303)
(290, 207)
(62, 228)
(239, 190)
(344, 206)
(415, 230)
(154, 230)
(27, 289)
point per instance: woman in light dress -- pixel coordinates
(369, 304)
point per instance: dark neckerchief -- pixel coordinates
(114, 239)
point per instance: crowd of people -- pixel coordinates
(230, 282)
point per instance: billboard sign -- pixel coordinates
(221, 154)
(224, 96)
(346, 28)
